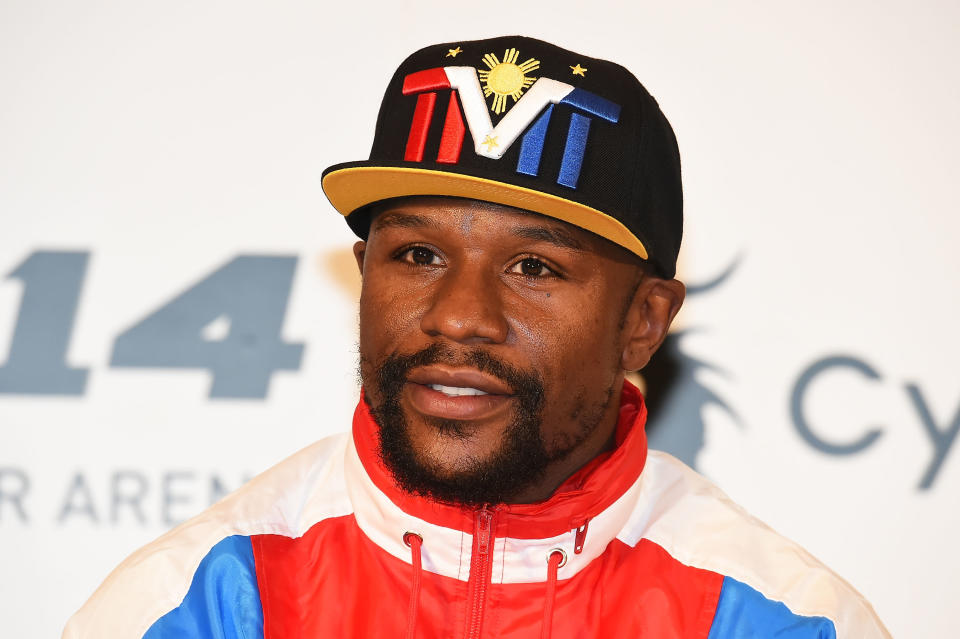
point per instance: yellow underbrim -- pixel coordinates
(351, 188)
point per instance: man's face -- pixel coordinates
(492, 344)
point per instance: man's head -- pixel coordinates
(494, 341)
(522, 212)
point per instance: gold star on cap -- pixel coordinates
(578, 70)
(452, 53)
(490, 142)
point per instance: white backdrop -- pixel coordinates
(147, 150)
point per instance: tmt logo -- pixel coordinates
(534, 107)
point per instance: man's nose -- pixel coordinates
(466, 306)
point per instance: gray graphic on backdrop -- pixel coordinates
(248, 296)
(14, 488)
(676, 397)
(941, 439)
(249, 293)
(799, 415)
(120, 498)
(51, 292)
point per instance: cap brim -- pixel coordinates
(352, 186)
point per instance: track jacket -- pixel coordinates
(325, 545)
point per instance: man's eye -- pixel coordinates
(531, 267)
(420, 255)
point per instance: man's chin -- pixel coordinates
(460, 462)
(451, 447)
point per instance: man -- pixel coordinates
(496, 482)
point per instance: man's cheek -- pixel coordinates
(381, 333)
(539, 339)
(554, 337)
(394, 314)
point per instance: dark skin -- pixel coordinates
(538, 294)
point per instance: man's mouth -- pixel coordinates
(458, 380)
(457, 393)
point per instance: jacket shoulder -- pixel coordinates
(286, 499)
(700, 526)
(223, 601)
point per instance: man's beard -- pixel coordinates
(520, 461)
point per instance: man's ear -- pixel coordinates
(359, 250)
(655, 303)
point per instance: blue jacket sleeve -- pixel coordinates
(743, 613)
(223, 601)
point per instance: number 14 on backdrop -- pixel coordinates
(229, 323)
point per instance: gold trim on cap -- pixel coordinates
(350, 188)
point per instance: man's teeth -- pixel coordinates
(456, 391)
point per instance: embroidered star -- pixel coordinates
(490, 142)
(452, 53)
(578, 70)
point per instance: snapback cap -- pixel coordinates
(521, 122)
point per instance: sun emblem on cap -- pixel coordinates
(506, 78)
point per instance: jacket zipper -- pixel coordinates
(480, 563)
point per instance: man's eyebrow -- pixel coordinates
(553, 235)
(403, 220)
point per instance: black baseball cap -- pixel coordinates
(517, 121)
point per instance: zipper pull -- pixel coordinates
(484, 528)
(580, 538)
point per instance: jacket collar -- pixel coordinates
(574, 504)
